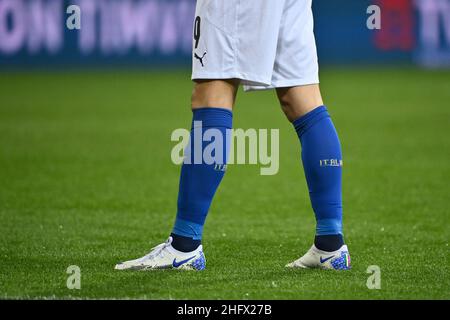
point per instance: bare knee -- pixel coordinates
(297, 101)
(214, 93)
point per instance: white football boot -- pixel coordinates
(315, 258)
(164, 256)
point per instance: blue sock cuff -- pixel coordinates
(306, 121)
(328, 226)
(213, 117)
(188, 229)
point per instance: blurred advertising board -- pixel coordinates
(35, 33)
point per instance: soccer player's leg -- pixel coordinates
(212, 103)
(322, 162)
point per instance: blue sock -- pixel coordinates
(199, 181)
(322, 163)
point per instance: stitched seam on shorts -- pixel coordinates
(213, 23)
(236, 38)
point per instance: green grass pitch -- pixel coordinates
(86, 179)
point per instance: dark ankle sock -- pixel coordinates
(184, 244)
(329, 242)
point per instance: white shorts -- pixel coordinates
(265, 43)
